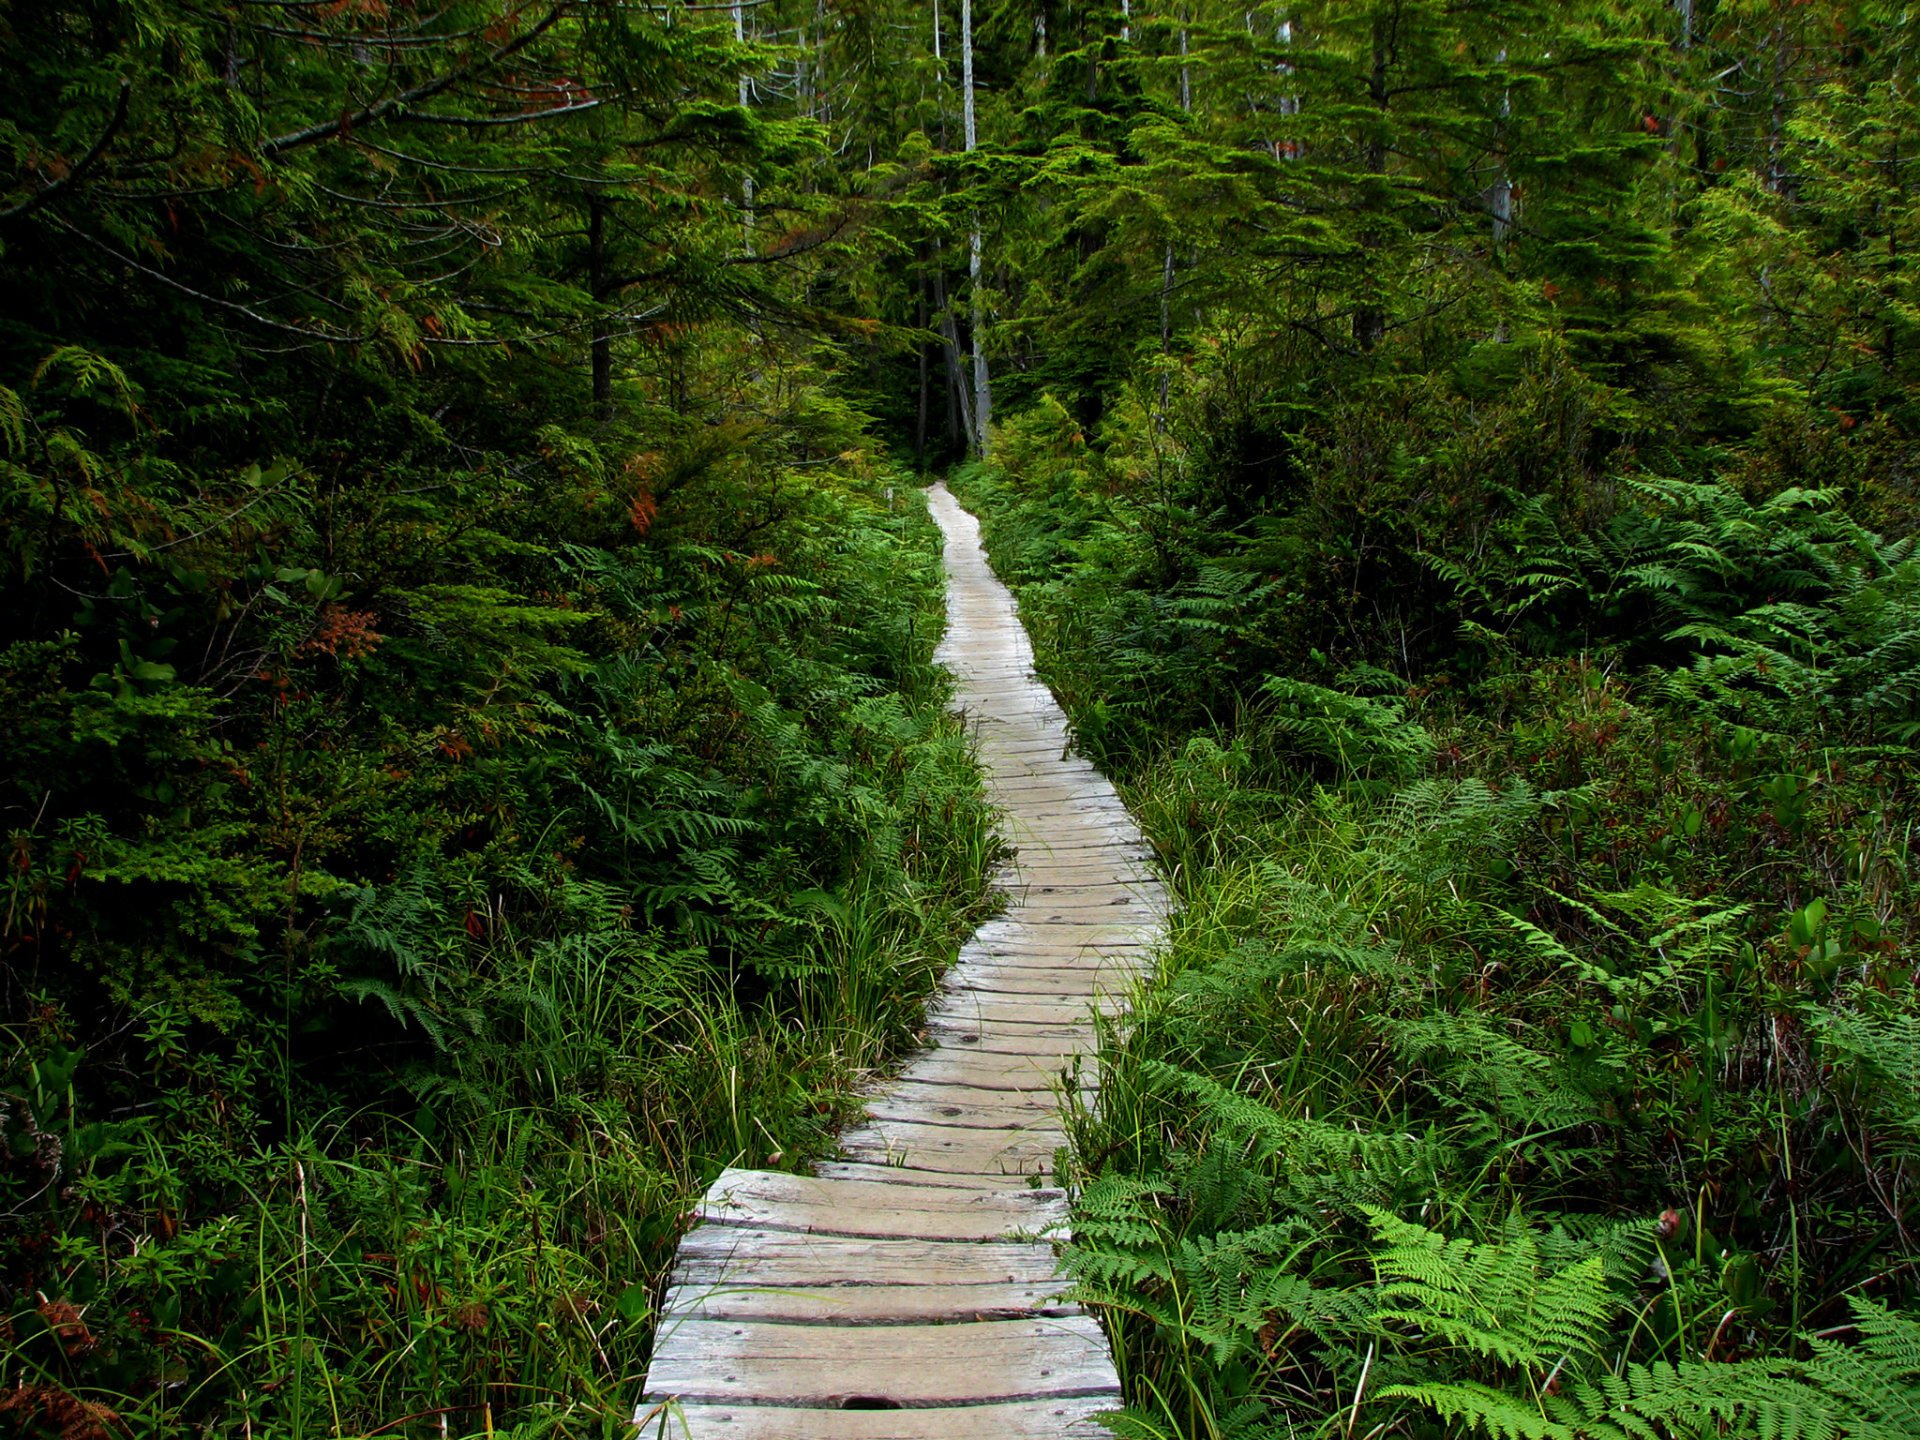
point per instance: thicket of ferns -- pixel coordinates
(468, 767)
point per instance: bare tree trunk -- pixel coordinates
(926, 377)
(962, 401)
(1186, 76)
(939, 78)
(1777, 119)
(746, 184)
(602, 344)
(1500, 199)
(1166, 259)
(982, 391)
(1289, 101)
(1369, 320)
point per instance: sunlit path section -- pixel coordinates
(908, 1291)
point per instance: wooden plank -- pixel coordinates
(891, 1209)
(1047, 1048)
(975, 1063)
(987, 1008)
(1005, 976)
(860, 1169)
(870, 1304)
(918, 1138)
(1085, 964)
(1062, 1419)
(818, 1367)
(1095, 887)
(950, 1148)
(934, 1104)
(741, 1255)
(1007, 1165)
(972, 1030)
(1036, 871)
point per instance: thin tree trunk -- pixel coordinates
(1166, 259)
(1777, 119)
(939, 78)
(1369, 320)
(746, 184)
(962, 402)
(1166, 330)
(982, 390)
(1500, 200)
(602, 345)
(920, 415)
(1288, 149)
(1186, 76)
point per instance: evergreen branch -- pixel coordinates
(373, 114)
(67, 181)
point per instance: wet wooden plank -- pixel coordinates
(861, 1169)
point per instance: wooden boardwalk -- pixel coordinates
(909, 1291)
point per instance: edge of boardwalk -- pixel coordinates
(909, 1290)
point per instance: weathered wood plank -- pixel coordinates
(968, 1066)
(1064, 1419)
(887, 1209)
(936, 1104)
(742, 1255)
(1110, 981)
(860, 1169)
(953, 1149)
(818, 1367)
(988, 1008)
(870, 1304)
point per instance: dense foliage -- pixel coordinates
(1496, 590)
(1578, 960)
(470, 763)
(469, 755)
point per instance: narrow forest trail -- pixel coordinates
(909, 1290)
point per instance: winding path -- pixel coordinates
(908, 1291)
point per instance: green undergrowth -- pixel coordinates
(381, 1000)
(1535, 1051)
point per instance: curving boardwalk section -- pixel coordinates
(908, 1291)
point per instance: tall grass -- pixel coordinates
(479, 1252)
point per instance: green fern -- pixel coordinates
(1364, 738)
(1491, 1300)
(1869, 1390)
(1219, 1293)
